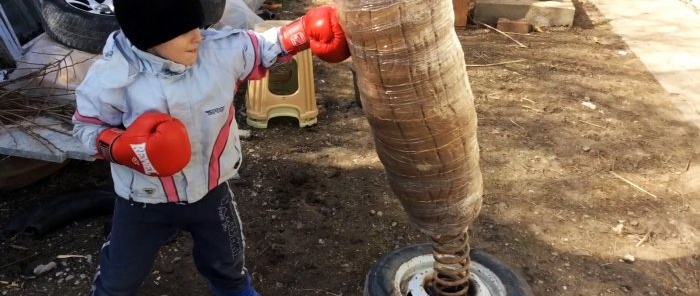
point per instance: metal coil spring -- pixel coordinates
(451, 254)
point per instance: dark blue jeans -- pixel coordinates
(139, 230)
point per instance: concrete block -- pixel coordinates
(521, 26)
(551, 13)
(489, 11)
(537, 12)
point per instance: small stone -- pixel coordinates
(320, 241)
(628, 258)
(586, 148)
(618, 228)
(393, 224)
(69, 278)
(372, 212)
(82, 276)
(379, 214)
(44, 268)
(589, 105)
(634, 223)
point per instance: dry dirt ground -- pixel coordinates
(569, 190)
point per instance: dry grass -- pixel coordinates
(34, 95)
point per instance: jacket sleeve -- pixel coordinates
(265, 50)
(97, 108)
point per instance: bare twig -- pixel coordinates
(633, 185)
(520, 126)
(26, 98)
(32, 123)
(45, 250)
(533, 109)
(319, 290)
(39, 138)
(18, 247)
(643, 239)
(71, 256)
(502, 33)
(523, 34)
(496, 64)
(526, 99)
(593, 124)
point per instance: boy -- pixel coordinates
(159, 106)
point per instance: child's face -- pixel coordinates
(181, 49)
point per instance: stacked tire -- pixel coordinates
(390, 275)
(74, 23)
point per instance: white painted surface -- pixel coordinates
(665, 35)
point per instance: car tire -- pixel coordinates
(76, 28)
(489, 276)
(213, 11)
(87, 31)
(60, 210)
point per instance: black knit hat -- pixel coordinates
(147, 23)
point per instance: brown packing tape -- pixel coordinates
(446, 125)
(430, 103)
(448, 218)
(445, 161)
(461, 192)
(419, 105)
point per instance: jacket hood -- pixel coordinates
(129, 60)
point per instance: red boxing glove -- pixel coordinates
(319, 30)
(156, 144)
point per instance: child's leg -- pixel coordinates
(128, 255)
(218, 244)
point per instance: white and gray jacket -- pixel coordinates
(127, 82)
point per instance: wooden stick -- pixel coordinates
(633, 185)
(496, 64)
(502, 33)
